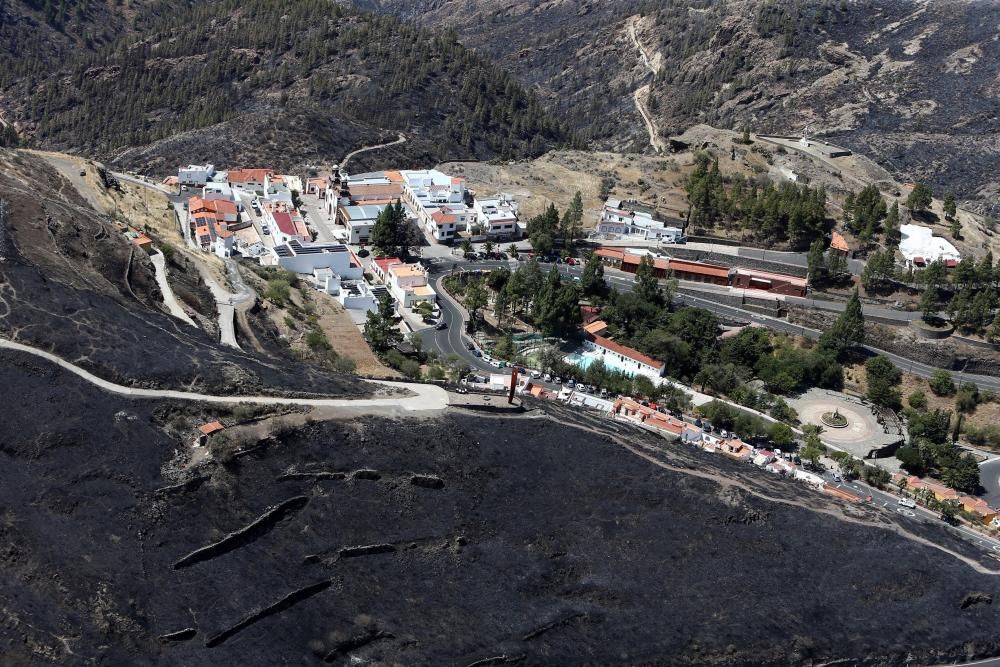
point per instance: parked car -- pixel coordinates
(470, 346)
(266, 230)
(477, 353)
(571, 261)
(907, 502)
(548, 377)
(571, 383)
(558, 380)
(440, 326)
(536, 374)
(469, 256)
(429, 320)
(363, 253)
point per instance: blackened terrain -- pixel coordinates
(544, 543)
(70, 283)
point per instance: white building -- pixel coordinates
(408, 285)
(620, 357)
(195, 174)
(438, 201)
(216, 191)
(357, 295)
(307, 257)
(359, 221)
(919, 246)
(617, 220)
(497, 216)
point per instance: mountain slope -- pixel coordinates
(282, 83)
(913, 84)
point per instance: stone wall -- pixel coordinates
(680, 252)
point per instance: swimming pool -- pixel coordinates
(585, 358)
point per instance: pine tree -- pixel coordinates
(847, 330)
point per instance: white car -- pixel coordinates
(907, 502)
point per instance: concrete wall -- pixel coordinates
(680, 252)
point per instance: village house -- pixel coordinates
(250, 180)
(838, 245)
(619, 220)
(307, 257)
(408, 285)
(623, 358)
(195, 174)
(774, 283)
(358, 221)
(438, 200)
(978, 507)
(284, 222)
(497, 217)
(213, 224)
(380, 267)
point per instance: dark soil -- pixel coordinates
(544, 542)
(71, 284)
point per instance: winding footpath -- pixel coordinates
(169, 300)
(422, 398)
(363, 149)
(641, 94)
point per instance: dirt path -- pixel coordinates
(363, 149)
(422, 398)
(168, 294)
(641, 95)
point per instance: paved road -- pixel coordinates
(989, 478)
(425, 397)
(625, 282)
(168, 294)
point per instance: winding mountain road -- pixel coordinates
(423, 398)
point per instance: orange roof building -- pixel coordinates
(839, 244)
(211, 427)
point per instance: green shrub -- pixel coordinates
(917, 400)
(941, 383)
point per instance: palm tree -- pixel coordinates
(512, 250)
(488, 247)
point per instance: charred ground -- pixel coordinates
(70, 283)
(445, 542)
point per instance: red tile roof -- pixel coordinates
(284, 223)
(384, 263)
(211, 427)
(699, 268)
(247, 175)
(442, 217)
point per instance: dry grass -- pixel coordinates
(986, 414)
(347, 340)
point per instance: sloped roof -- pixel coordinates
(635, 355)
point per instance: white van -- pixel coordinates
(907, 502)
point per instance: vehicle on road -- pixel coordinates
(558, 380)
(477, 353)
(576, 279)
(548, 377)
(837, 477)
(429, 320)
(571, 383)
(536, 374)
(265, 229)
(440, 326)
(907, 502)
